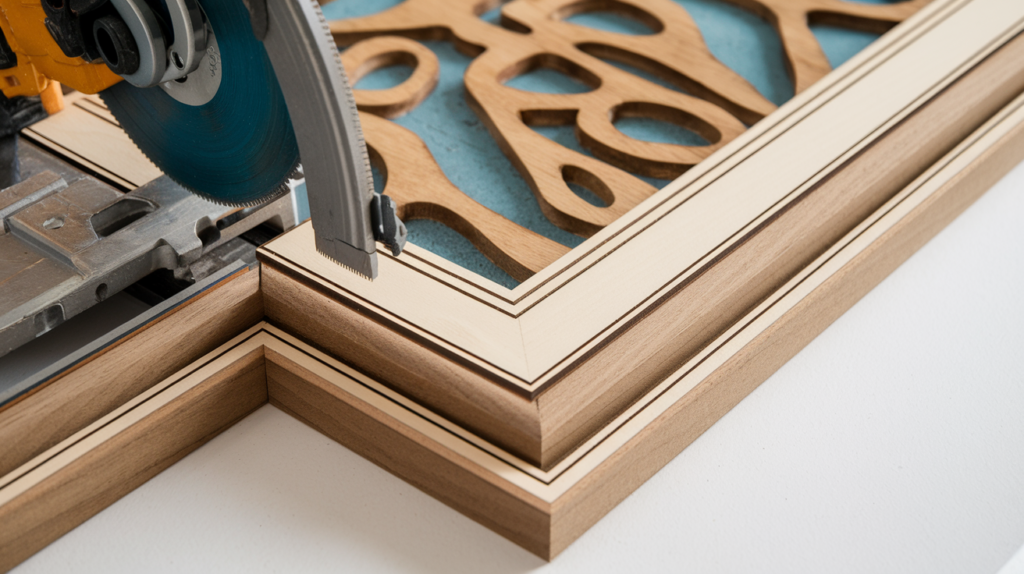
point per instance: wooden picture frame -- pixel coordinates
(535, 410)
(538, 368)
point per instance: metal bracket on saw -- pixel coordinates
(67, 246)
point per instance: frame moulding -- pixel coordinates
(538, 369)
(467, 390)
(543, 510)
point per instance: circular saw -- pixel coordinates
(232, 99)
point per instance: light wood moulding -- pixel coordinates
(87, 134)
(541, 509)
(539, 369)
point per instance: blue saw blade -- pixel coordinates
(237, 149)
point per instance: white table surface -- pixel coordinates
(893, 443)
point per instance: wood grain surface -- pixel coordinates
(687, 320)
(73, 481)
(455, 480)
(873, 259)
(86, 133)
(75, 398)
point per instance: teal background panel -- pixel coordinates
(472, 160)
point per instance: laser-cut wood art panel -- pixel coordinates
(711, 100)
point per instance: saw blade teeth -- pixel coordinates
(275, 191)
(345, 267)
(279, 192)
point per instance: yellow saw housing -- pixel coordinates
(42, 67)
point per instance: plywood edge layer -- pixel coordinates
(96, 386)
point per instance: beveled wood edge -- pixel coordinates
(503, 337)
(542, 511)
(575, 410)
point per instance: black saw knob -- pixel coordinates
(116, 45)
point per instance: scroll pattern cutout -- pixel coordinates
(711, 100)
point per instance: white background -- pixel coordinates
(893, 443)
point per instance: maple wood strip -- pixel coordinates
(92, 388)
(102, 470)
(75, 159)
(87, 131)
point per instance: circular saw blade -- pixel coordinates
(238, 148)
